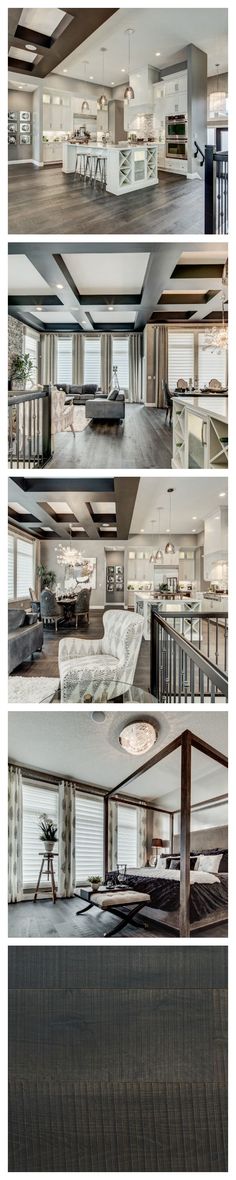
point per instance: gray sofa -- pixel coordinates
(80, 393)
(108, 409)
(24, 638)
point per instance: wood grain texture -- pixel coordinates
(117, 1059)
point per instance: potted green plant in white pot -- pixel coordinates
(95, 882)
(48, 831)
(20, 373)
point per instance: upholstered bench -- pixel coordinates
(114, 900)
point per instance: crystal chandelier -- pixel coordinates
(216, 337)
(138, 737)
(129, 92)
(170, 546)
(71, 558)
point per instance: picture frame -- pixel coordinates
(25, 127)
(12, 116)
(11, 138)
(25, 116)
(25, 138)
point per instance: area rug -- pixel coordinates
(31, 689)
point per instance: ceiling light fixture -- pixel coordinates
(39, 307)
(102, 101)
(33, 47)
(158, 54)
(91, 77)
(129, 92)
(59, 286)
(72, 559)
(85, 104)
(138, 737)
(170, 548)
(65, 71)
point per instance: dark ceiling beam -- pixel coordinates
(82, 23)
(14, 15)
(206, 270)
(158, 273)
(34, 301)
(102, 301)
(178, 297)
(26, 317)
(24, 36)
(125, 497)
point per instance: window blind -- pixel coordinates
(10, 567)
(180, 357)
(31, 346)
(210, 364)
(36, 800)
(127, 835)
(24, 567)
(120, 357)
(64, 360)
(89, 854)
(92, 360)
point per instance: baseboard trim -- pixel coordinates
(35, 162)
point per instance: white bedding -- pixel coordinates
(195, 875)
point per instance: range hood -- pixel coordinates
(142, 83)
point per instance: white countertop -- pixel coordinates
(214, 406)
(110, 147)
(176, 605)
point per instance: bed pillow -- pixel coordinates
(224, 862)
(208, 864)
(174, 863)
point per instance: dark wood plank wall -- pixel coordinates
(117, 1059)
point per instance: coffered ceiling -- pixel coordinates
(73, 739)
(87, 508)
(39, 39)
(102, 286)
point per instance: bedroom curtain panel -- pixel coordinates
(66, 839)
(162, 362)
(112, 835)
(106, 361)
(135, 367)
(48, 359)
(78, 358)
(142, 836)
(15, 822)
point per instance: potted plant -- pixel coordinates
(48, 832)
(95, 882)
(47, 577)
(21, 368)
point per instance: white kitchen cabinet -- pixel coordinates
(52, 153)
(57, 114)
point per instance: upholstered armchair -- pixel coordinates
(61, 413)
(82, 604)
(91, 664)
(51, 611)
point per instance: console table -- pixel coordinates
(114, 900)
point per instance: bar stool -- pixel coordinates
(100, 170)
(88, 168)
(48, 872)
(80, 164)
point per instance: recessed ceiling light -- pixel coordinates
(39, 308)
(158, 54)
(193, 530)
(112, 83)
(59, 286)
(221, 494)
(65, 71)
(110, 306)
(99, 717)
(141, 530)
(138, 737)
(20, 87)
(123, 71)
(194, 518)
(91, 77)
(84, 322)
(30, 47)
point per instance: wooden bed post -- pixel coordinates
(171, 833)
(184, 913)
(105, 834)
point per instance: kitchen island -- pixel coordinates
(197, 605)
(128, 167)
(200, 431)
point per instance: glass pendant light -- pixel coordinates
(85, 104)
(170, 548)
(102, 101)
(129, 92)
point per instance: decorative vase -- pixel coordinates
(49, 845)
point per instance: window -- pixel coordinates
(120, 357)
(89, 820)
(92, 360)
(127, 835)
(64, 360)
(31, 346)
(21, 566)
(180, 357)
(10, 567)
(210, 364)
(36, 800)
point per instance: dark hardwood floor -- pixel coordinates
(46, 200)
(45, 663)
(46, 920)
(142, 440)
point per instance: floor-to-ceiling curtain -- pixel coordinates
(66, 839)
(48, 358)
(135, 367)
(162, 362)
(78, 358)
(112, 835)
(106, 361)
(142, 836)
(15, 810)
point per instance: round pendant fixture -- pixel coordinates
(138, 737)
(170, 548)
(85, 104)
(129, 92)
(102, 101)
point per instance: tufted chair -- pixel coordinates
(82, 604)
(50, 609)
(92, 663)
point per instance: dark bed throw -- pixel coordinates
(164, 893)
(117, 1059)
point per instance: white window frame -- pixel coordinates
(123, 809)
(82, 876)
(49, 790)
(64, 379)
(16, 539)
(115, 340)
(93, 379)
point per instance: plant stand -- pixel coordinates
(47, 858)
